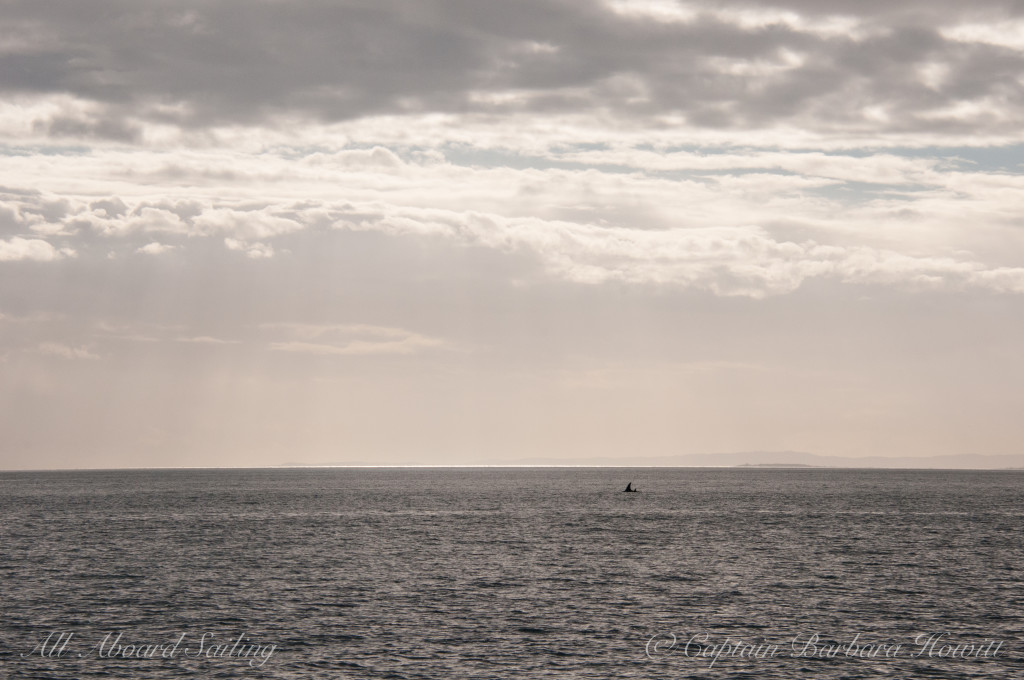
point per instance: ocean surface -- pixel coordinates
(512, 573)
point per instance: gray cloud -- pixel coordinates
(731, 65)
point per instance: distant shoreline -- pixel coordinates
(538, 466)
(740, 460)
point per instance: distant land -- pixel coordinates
(761, 459)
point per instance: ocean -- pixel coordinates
(512, 573)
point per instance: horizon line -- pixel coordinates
(741, 466)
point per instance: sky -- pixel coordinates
(249, 232)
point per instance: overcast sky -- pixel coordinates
(240, 232)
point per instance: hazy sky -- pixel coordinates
(246, 232)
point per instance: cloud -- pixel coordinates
(350, 339)
(154, 248)
(206, 340)
(735, 147)
(109, 207)
(355, 347)
(246, 224)
(65, 351)
(37, 250)
(137, 331)
(733, 222)
(150, 219)
(255, 251)
(744, 261)
(831, 68)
